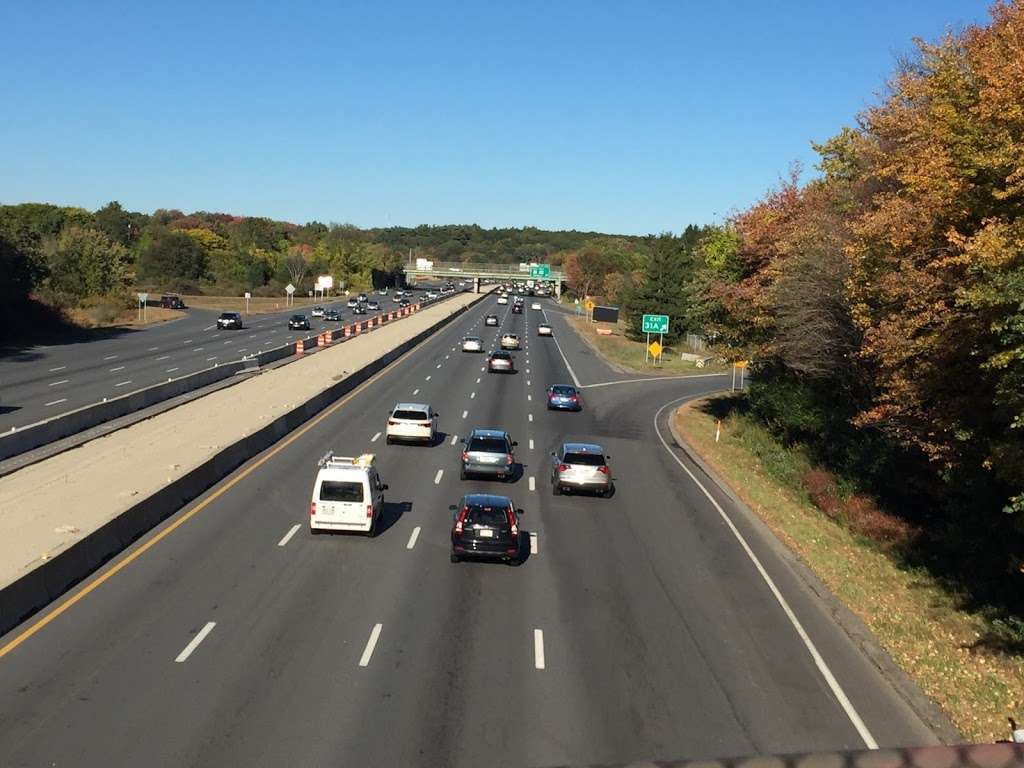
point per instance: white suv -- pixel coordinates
(412, 421)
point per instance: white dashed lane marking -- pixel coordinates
(288, 536)
(364, 660)
(375, 438)
(194, 643)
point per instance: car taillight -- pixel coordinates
(312, 509)
(465, 456)
(563, 467)
(461, 518)
(603, 469)
(369, 511)
(573, 398)
(508, 459)
(512, 522)
(392, 423)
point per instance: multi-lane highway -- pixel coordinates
(657, 623)
(46, 381)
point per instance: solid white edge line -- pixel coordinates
(364, 660)
(819, 662)
(438, 476)
(565, 360)
(194, 643)
(538, 649)
(288, 536)
(412, 539)
(653, 378)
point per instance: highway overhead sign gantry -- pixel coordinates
(655, 324)
(540, 270)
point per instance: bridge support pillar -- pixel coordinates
(558, 289)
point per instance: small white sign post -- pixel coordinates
(248, 296)
(290, 290)
(143, 298)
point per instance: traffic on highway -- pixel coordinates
(451, 567)
(46, 381)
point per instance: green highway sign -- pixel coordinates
(655, 324)
(540, 270)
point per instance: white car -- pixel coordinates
(317, 312)
(503, 299)
(348, 495)
(535, 305)
(413, 422)
(544, 330)
(472, 344)
(510, 341)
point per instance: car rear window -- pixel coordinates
(501, 356)
(586, 459)
(489, 516)
(488, 445)
(333, 490)
(563, 390)
(410, 416)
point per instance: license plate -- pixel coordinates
(486, 533)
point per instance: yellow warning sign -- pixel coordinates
(655, 349)
(589, 305)
(741, 363)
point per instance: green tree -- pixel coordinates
(86, 263)
(664, 287)
(114, 221)
(173, 259)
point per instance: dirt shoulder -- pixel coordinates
(924, 628)
(107, 476)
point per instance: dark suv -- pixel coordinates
(485, 525)
(488, 452)
(230, 320)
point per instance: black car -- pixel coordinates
(172, 301)
(231, 320)
(403, 303)
(332, 314)
(517, 309)
(359, 309)
(485, 525)
(361, 298)
(298, 323)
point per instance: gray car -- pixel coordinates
(581, 467)
(488, 452)
(500, 362)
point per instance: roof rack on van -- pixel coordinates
(363, 460)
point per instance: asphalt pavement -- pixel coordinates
(45, 381)
(658, 623)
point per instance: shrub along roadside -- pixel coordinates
(856, 549)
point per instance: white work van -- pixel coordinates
(348, 495)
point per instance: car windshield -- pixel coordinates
(489, 516)
(410, 416)
(298, 318)
(334, 490)
(586, 459)
(563, 391)
(228, 316)
(488, 445)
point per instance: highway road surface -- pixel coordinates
(45, 381)
(659, 623)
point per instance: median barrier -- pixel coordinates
(89, 416)
(47, 582)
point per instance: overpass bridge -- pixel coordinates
(458, 270)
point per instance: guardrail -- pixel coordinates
(474, 269)
(23, 439)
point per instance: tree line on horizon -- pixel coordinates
(66, 256)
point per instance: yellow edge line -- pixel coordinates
(121, 564)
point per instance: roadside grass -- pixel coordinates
(926, 629)
(629, 354)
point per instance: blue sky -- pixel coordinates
(628, 117)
